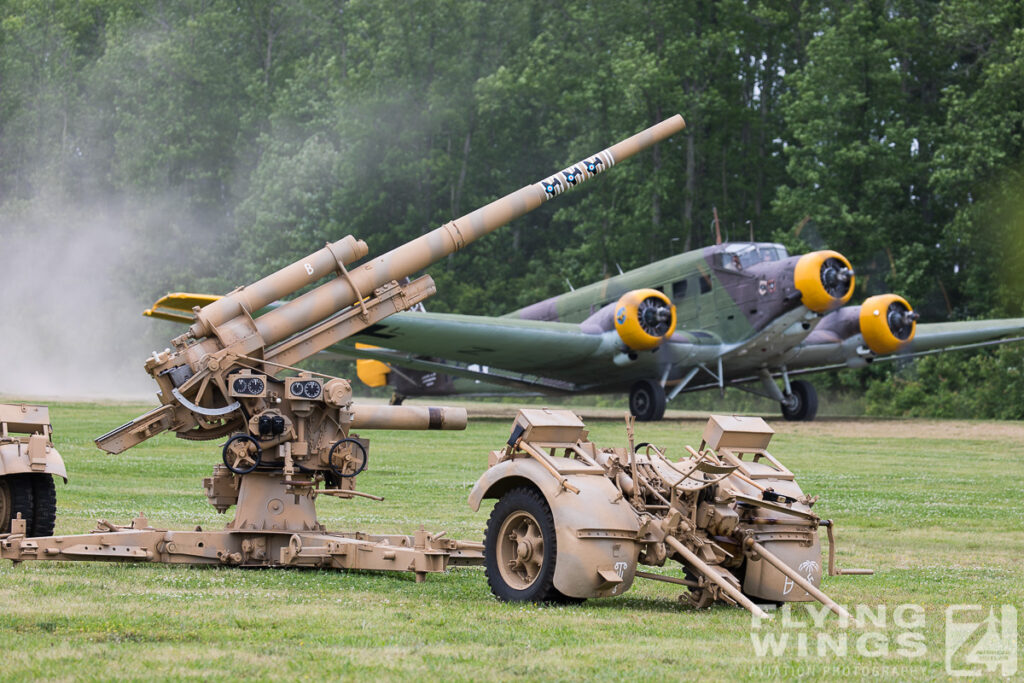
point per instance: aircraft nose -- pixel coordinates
(824, 279)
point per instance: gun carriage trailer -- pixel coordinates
(574, 520)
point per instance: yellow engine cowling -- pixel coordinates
(372, 373)
(824, 279)
(644, 318)
(887, 323)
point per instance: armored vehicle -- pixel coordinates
(28, 463)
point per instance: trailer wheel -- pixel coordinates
(44, 505)
(15, 497)
(520, 549)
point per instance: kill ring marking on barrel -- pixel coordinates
(573, 175)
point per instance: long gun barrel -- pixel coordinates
(324, 301)
(289, 439)
(221, 376)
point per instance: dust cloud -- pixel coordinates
(70, 322)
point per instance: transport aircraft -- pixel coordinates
(736, 314)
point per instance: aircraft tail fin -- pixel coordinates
(372, 373)
(177, 307)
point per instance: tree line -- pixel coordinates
(227, 139)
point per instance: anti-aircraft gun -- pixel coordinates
(291, 437)
(575, 521)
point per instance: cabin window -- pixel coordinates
(705, 284)
(679, 289)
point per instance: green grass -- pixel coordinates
(938, 519)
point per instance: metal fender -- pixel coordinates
(761, 580)
(34, 457)
(596, 530)
(789, 539)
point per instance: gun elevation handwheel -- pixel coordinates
(239, 457)
(347, 462)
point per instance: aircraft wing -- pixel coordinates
(511, 344)
(522, 381)
(524, 354)
(941, 336)
(930, 338)
(511, 352)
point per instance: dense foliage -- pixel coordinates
(223, 139)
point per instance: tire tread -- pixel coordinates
(530, 500)
(20, 487)
(44, 505)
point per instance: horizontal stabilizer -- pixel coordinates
(177, 307)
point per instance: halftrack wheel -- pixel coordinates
(18, 495)
(44, 505)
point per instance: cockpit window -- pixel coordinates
(743, 255)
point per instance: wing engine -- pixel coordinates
(644, 318)
(887, 322)
(824, 279)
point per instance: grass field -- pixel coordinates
(934, 507)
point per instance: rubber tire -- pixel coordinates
(806, 402)
(44, 505)
(647, 401)
(542, 589)
(17, 488)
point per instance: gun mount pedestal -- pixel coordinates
(298, 446)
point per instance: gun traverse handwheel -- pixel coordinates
(241, 454)
(347, 466)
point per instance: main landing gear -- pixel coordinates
(647, 401)
(798, 398)
(801, 404)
